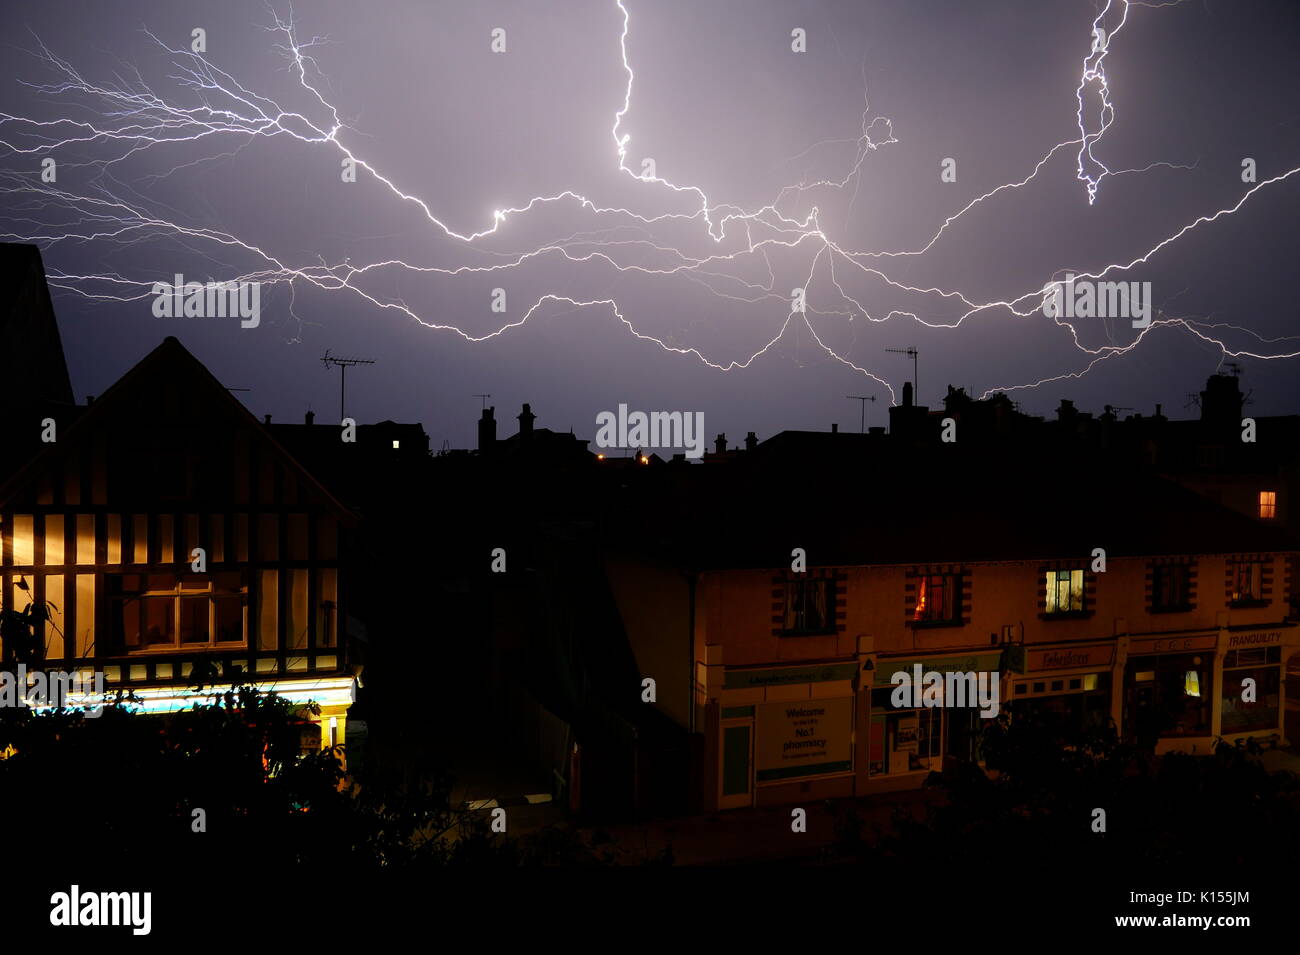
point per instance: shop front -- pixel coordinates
(1068, 684)
(786, 733)
(1169, 691)
(1252, 703)
(1183, 692)
(907, 741)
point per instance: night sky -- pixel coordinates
(204, 181)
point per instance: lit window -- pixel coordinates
(1267, 505)
(808, 604)
(1247, 577)
(1064, 591)
(938, 598)
(159, 611)
(396, 444)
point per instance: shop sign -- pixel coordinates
(970, 663)
(1172, 644)
(803, 738)
(748, 679)
(1256, 639)
(1026, 660)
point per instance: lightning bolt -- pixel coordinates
(223, 115)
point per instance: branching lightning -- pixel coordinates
(223, 115)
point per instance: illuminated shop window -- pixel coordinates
(1260, 708)
(1064, 591)
(904, 739)
(1171, 700)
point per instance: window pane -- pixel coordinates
(194, 619)
(53, 540)
(85, 597)
(24, 539)
(328, 607)
(157, 615)
(230, 619)
(85, 538)
(268, 615)
(298, 610)
(54, 628)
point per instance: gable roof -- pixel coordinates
(169, 358)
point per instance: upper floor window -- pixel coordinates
(1064, 591)
(178, 611)
(809, 605)
(1267, 505)
(1171, 587)
(938, 598)
(1248, 582)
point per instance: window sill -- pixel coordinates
(206, 648)
(1181, 608)
(1247, 604)
(830, 632)
(934, 624)
(1067, 615)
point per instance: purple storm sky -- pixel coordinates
(205, 171)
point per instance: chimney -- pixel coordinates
(835, 428)
(487, 430)
(1221, 402)
(907, 394)
(526, 419)
(1158, 414)
(266, 419)
(309, 417)
(720, 444)
(751, 441)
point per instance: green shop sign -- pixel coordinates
(969, 663)
(748, 679)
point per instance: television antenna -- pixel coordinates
(911, 352)
(484, 397)
(863, 399)
(343, 365)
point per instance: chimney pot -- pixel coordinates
(720, 444)
(266, 419)
(907, 394)
(310, 417)
(526, 419)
